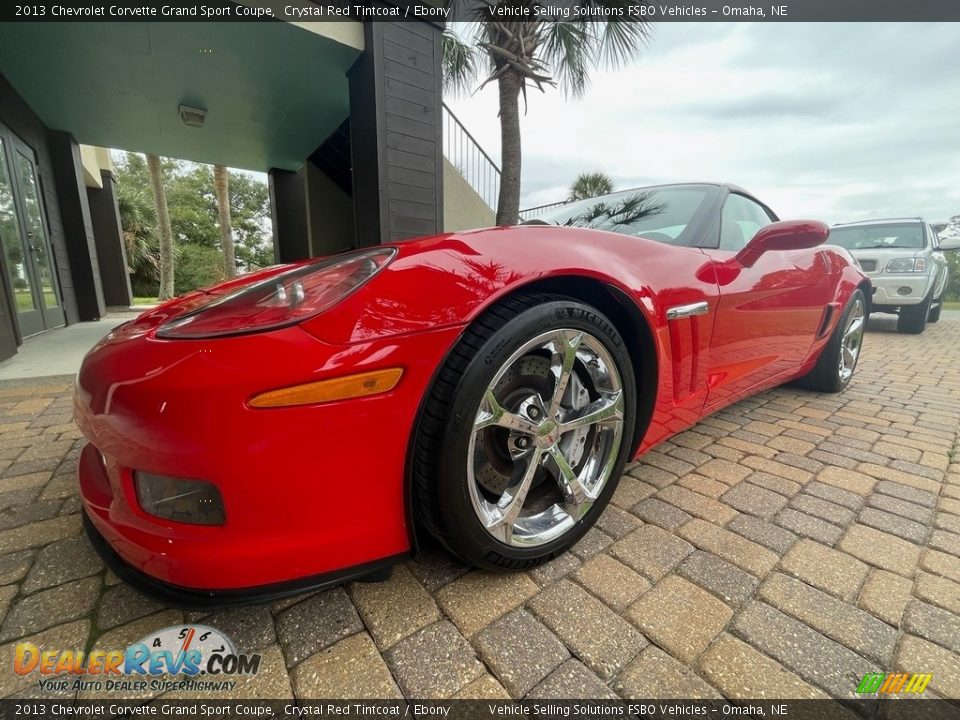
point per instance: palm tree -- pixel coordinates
(536, 53)
(163, 226)
(590, 185)
(221, 186)
(138, 221)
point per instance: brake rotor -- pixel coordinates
(527, 377)
(573, 443)
(524, 380)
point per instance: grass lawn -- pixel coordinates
(145, 301)
(952, 304)
(25, 299)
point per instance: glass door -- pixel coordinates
(34, 279)
(16, 253)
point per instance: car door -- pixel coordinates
(768, 314)
(941, 268)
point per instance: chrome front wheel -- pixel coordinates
(524, 434)
(546, 437)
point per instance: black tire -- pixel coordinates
(934, 313)
(441, 493)
(912, 319)
(826, 375)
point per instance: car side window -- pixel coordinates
(740, 220)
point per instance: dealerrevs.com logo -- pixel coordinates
(173, 658)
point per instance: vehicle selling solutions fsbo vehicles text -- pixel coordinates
(583, 12)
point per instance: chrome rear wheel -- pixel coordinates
(838, 359)
(852, 339)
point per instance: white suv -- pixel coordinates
(905, 262)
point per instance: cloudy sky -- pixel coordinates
(833, 121)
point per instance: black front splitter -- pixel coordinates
(197, 599)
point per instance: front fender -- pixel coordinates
(450, 279)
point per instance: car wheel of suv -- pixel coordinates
(838, 361)
(934, 314)
(912, 319)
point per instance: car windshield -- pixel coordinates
(873, 237)
(657, 213)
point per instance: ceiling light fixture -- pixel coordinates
(192, 116)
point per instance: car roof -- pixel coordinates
(719, 186)
(882, 221)
(691, 183)
(709, 183)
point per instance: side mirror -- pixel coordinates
(952, 243)
(786, 235)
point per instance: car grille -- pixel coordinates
(868, 265)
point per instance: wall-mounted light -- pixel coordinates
(192, 116)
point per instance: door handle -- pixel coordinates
(684, 311)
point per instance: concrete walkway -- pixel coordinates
(59, 351)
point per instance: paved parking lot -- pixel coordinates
(781, 548)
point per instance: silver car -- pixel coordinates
(905, 262)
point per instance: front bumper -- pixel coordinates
(894, 290)
(310, 492)
(198, 599)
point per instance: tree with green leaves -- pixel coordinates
(221, 186)
(536, 53)
(194, 221)
(951, 229)
(138, 222)
(163, 228)
(590, 185)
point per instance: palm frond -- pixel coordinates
(602, 216)
(590, 184)
(633, 208)
(568, 51)
(622, 36)
(459, 63)
(138, 222)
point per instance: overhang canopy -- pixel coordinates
(273, 91)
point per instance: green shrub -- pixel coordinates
(144, 286)
(953, 286)
(197, 267)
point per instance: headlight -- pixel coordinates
(285, 299)
(907, 265)
(187, 501)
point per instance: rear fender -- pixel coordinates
(848, 278)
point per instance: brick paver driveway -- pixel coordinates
(783, 547)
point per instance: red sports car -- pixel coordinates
(299, 426)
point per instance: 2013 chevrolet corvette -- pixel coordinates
(300, 426)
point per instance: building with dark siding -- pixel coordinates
(346, 118)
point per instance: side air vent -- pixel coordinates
(825, 322)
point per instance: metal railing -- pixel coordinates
(539, 209)
(466, 155)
